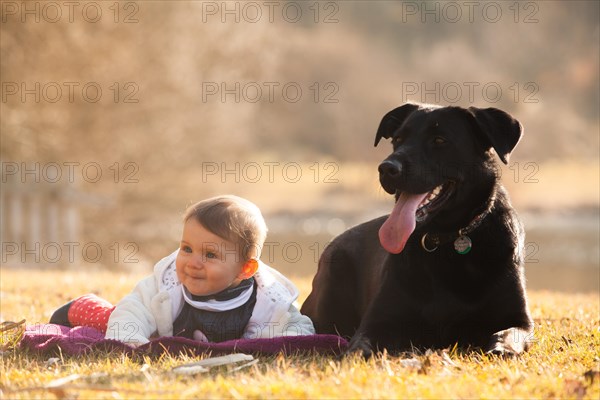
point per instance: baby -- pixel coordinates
(213, 288)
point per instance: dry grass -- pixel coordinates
(563, 363)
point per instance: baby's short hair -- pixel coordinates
(234, 219)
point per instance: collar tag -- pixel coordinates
(463, 244)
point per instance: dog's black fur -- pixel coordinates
(433, 299)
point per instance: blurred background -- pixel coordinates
(115, 116)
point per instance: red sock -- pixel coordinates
(90, 310)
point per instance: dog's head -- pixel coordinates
(441, 156)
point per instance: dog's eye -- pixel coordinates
(396, 140)
(438, 140)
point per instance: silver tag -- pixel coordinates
(463, 244)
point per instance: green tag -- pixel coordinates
(463, 244)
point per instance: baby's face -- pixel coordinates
(206, 263)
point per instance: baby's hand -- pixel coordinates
(199, 336)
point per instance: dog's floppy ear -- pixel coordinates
(392, 121)
(500, 128)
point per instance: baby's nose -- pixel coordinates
(195, 262)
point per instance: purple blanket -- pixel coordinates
(49, 339)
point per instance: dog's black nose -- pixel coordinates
(390, 168)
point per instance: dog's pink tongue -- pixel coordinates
(396, 230)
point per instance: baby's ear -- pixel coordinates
(249, 269)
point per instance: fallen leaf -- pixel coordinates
(223, 360)
(446, 360)
(189, 370)
(412, 363)
(246, 365)
(57, 386)
(11, 334)
(62, 381)
(203, 366)
(144, 370)
(51, 362)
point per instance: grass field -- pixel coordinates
(564, 362)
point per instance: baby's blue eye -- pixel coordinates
(186, 249)
(211, 255)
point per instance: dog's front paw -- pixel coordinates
(508, 343)
(502, 350)
(360, 345)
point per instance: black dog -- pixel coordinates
(446, 266)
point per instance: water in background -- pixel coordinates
(561, 252)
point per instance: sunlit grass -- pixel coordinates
(563, 362)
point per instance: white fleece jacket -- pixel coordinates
(156, 301)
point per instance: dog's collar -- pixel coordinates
(462, 242)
